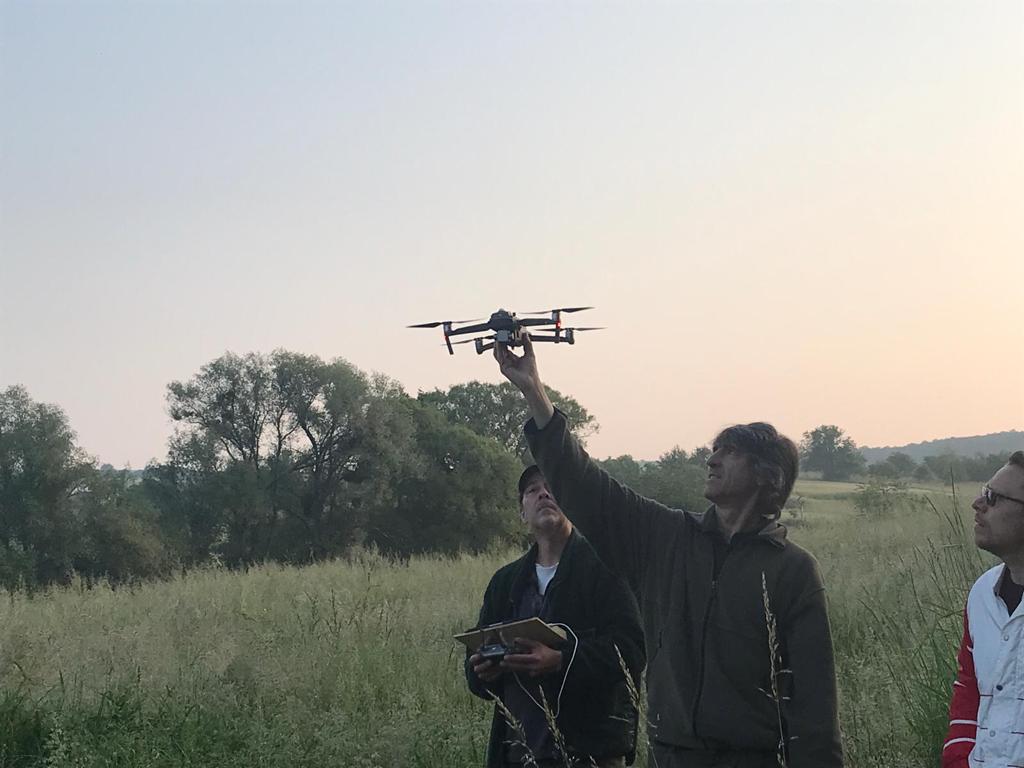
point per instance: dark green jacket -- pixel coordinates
(597, 715)
(704, 615)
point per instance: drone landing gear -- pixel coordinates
(565, 337)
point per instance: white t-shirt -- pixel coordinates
(545, 573)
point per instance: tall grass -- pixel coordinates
(351, 663)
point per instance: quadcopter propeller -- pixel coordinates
(444, 322)
(559, 309)
(597, 328)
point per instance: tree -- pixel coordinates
(675, 479)
(827, 450)
(59, 515)
(120, 539)
(498, 411)
(977, 468)
(943, 467)
(460, 496)
(41, 469)
(902, 463)
(883, 470)
(922, 474)
(625, 469)
(281, 457)
(699, 457)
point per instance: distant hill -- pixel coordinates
(997, 442)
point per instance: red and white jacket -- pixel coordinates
(986, 713)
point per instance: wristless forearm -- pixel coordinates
(539, 404)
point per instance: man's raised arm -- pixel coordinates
(619, 523)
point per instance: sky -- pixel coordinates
(799, 212)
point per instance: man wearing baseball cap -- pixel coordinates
(582, 682)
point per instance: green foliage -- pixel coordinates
(284, 457)
(59, 515)
(896, 465)
(499, 411)
(827, 450)
(922, 474)
(461, 499)
(626, 470)
(290, 458)
(351, 662)
(882, 470)
(23, 729)
(280, 457)
(120, 538)
(793, 511)
(978, 468)
(903, 465)
(924, 628)
(41, 469)
(879, 498)
(675, 479)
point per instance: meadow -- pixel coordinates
(351, 662)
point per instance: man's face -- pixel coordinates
(999, 527)
(731, 478)
(538, 507)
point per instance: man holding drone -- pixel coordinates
(741, 669)
(582, 683)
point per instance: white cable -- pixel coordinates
(558, 701)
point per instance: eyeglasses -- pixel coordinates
(992, 498)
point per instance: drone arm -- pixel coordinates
(479, 328)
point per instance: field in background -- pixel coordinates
(350, 663)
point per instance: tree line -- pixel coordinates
(281, 457)
(835, 456)
(289, 458)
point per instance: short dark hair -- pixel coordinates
(526, 477)
(775, 459)
(1016, 459)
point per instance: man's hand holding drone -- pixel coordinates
(521, 370)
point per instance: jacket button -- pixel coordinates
(991, 733)
(999, 687)
(1005, 638)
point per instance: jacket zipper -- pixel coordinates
(704, 639)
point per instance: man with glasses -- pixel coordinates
(986, 713)
(727, 685)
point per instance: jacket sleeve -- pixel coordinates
(812, 712)
(619, 523)
(963, 707)
(488, 615)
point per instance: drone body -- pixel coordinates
(504, 327)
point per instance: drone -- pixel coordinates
(504, 327)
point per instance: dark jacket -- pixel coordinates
(597, 715)
(704, 614)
